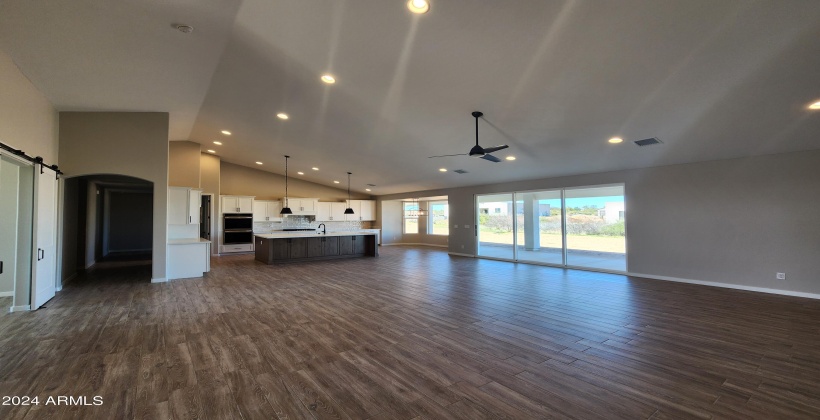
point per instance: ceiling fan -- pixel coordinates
(478, 151)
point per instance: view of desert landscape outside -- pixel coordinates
(595, 234)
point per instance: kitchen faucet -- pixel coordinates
(324, 228)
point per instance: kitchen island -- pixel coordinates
(288, 247)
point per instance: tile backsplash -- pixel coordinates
(307, 222)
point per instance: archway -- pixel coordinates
(107, 220)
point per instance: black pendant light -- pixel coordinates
(348, 210)
(286, 209)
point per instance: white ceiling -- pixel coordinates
(555, 79)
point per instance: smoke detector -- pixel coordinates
(185, 29)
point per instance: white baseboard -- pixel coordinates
(6, 294)
(458, 254)
(729, 286)
(414, 243)
(159, 280)
(22, 308)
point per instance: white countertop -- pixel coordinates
(187, 241)
(313, 234)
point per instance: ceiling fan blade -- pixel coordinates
(495, 148)
(460, 154)
(491, 158)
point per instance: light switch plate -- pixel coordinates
(455, 226)
(466, 226)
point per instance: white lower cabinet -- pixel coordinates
(188, 258)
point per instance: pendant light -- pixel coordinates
(348, 210)
(286, 210)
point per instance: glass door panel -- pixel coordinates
(595, 227)
(495, 226)
(538, 237)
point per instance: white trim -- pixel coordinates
(415, 243)
(7, 294)
(22, 308)
(457, 254)
(729, 286)
(159, 280)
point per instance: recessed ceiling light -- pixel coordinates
(335, 182)
(328, 79)
(282, 116)
(258, 163)
(367, 189)
(315, 168)
(418, 6)
(218, 143)
(211, 151)
(616, 140)
(226, 132)
(510, 158)
(443, 170)
(815, 105)
(300, 173)
(185, 29)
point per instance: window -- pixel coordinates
(411, 217)
(438, 218)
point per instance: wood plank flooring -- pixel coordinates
(412, 334)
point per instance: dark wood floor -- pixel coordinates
(414, 333)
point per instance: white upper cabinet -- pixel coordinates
(237, 204)
(337, 211)
(183, 205)
(303, 206)
(267, 211)
(364, 210)
(368, 212)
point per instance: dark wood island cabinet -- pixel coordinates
(281, 249)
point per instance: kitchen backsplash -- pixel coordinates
(296, 222)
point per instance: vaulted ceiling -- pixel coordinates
(555, 79)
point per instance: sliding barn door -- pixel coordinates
(43, 282)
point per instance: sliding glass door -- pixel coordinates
(495, 226)
(596, 227)
(577, 227)
(538, 237)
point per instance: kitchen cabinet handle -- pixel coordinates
(190, 219)
(40, 252)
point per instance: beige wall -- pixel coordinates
(184, 167)
(736, 222)
(125, 143)
(209, 174)
(27, 119)
(241, 180)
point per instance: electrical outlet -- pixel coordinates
(466, 226)
(462, 247)
(781, 276)
(455, 226)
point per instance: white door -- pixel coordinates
(44, 275)
(194, 203)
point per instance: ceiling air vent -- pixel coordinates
(648, 142)
(371, 185)
(460, 171)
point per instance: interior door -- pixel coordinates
(45, 269)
